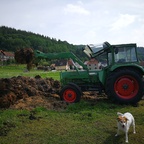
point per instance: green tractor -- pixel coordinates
(118, 73)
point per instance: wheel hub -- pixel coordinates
(125, 86)
(69, 95)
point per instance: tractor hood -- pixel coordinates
(95, 49)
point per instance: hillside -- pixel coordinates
(12, 40)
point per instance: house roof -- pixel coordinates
(92, 61)
(10, 54)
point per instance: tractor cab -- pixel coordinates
(108, 54)
(125, 53)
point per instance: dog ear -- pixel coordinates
(119, 114)
(119, 118)
(126, 119)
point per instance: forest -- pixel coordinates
(13, 40)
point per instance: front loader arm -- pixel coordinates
(62, 55)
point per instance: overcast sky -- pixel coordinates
(78, 21)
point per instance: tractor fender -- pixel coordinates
(76, 86)
(132, 66)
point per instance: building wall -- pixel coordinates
(60, 67)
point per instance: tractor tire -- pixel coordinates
(70, 94)
(124, 86)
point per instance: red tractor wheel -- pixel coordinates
(125, 86)
(70, 94)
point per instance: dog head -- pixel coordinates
(122, 120)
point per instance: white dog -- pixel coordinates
(124, 122)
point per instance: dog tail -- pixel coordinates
(119, 114)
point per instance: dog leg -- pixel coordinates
(117, 133)
(133, 123)
(134, 127)
(126, 137)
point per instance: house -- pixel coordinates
(4, 56)
(92, 64)
(63, 65)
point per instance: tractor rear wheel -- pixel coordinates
(125, 86)
(70, 94)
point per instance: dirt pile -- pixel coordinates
(21, 91)
(29, 103)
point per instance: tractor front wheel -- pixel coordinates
(125, 86)
(70, 94)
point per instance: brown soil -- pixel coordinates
(17, 92)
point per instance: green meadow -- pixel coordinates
(20, 70)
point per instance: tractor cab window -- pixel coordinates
(125, 54)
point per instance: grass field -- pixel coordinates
(80, 123)
(20, 70)
(86, 122)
